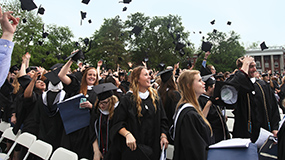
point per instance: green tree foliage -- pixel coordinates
(225, 51)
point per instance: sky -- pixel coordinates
(254, 21)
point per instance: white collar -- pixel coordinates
(55, 88)
(59, 97)
(89, 87)
(253, 80)
(106, 112)
(144, 95)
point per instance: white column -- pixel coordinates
(262, 63)
(272, 64)
(281, 63)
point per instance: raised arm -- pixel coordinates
(63, 73)
(7, 27)
(29, 90)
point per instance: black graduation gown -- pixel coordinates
(79, 141)
(171, 100)
(216, 119)
(281, 142)
(50, 127)
(6, 100)
(192, 136)
(147, 130)
(257, 117)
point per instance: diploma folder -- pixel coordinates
(73, 117)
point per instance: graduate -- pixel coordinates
(140, 124)
(78, 141)
(192, 132)
(169, 96)
(102, 119)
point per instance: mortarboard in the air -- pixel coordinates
(179, 46)
(28, 5)
(76, 56)
(124, 9)
(263, 46)
(214, 31)
(137, 30)
(47, 53)
(126, 1)
(165, 75)
(13, 68)
(89, 21)
(161, 66)
(200, 32)
(52, 76)
(204, 71)
(208, 80)
(58, 65)
(206, 46)
(229, 23)
(145, 59)
(226, 92)
(213, 22)
(83, 15)
(86, 41)
(40, 43)
(24, 20)
(85, 1)
(120, 58)
(181, 52)
(104, 90)
(41, 10)
(43, 60)
(45, 34)
(186, 64)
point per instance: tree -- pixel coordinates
(225, 51)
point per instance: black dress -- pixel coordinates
(192, 136)
(251, 112)
(146, 130)
(281, 142)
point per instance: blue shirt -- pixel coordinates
(6, 49)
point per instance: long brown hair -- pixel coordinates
(135, 75)
(83, 85)
(170, 84)
(188, 95)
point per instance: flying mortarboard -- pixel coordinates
(226, 92)
(24, 20)
(40, 43)
(28, 5)
(120, 58)
(206, 46)
(145, 59)
(13, 68)
(124, 9)
(58, 65)
(52, 76)
(137, 30)
(213, 22)
(24, 81)
(45, 34)
(208, 80)
(126, 1)
(200, 32)
(179, 46)
(89, 21)
(104, 90)
(43, 60)
(161, 66)
(41, 10)
(83, 15)
(263, 46)
(165, 75)
(76, 56)
(85, 1)
(86, 41)
(214, 31)
(229, 23)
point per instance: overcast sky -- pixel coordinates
(254, 21)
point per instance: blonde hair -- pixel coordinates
(111, 107)
(188, 95)
(135, 75)
(16, 84)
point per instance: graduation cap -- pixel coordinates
(264, 75)
(226, 92)
(89, 21)
(137, 30)
(104, 90)
(43, 60)
(41, 10)
(161, 66)
(28, 5)
(200, 32)
(179, 46)
(205, 71)
(126, 1)
(263, 46)
(24, 81)
(181, 52)
(229, 23)
(76, 56)
(83, 15)
(186, 64)
(120, 58)
(52, 76)
(142, 152)
(213, 22)
(76, 44)
(40, 43)
(208, 80)
(214, 31)
(145, 59)
(85, 1)
(47, 53)
(45, 34)
(58, 65)
(124, 9)
(24, 20)
(86, 41)
(165, 75)
(206, 46)
(31, 68)
(13, 68)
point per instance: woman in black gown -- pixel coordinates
(140, 124)
(192, 132)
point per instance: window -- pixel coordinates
(276, 64)
(258, 64)
(266, 65)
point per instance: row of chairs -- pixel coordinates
(36, 147)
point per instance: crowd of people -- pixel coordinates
(135, 114)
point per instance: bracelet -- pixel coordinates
(163, 136)
(127, 134)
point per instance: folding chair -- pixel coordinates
(8, 134)
(62, 153)
(24, 139)
(40, 149)
(4, 126)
